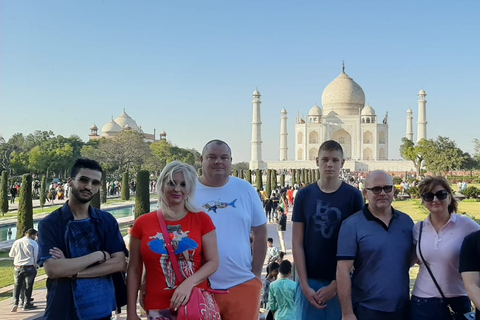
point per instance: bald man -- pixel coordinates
(377, 242)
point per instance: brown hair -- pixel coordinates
(430, 182)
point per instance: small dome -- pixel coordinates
(127, 127)
(409, 111)
(283, 111)
(315, 111)
(256, 92)
(343, 96)
(94, 127)
(163, 133)
(111, 127)
(422, 92)
(368, 111)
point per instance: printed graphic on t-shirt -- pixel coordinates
(184, 250)
(216, 205)
(326, 219)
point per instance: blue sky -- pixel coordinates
(190, 67)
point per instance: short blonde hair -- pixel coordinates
(190, 176)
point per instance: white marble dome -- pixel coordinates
(368, 111)
(315, 111)
(422, 92)
(256, 92)
(111, 128)
(343, 96)
(124, 119)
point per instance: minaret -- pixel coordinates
(283, 135)
(256, 156)
(422, 116)
(409, 132)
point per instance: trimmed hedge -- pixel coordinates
(25, 206)
(142, 195)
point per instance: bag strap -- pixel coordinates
(169, 246)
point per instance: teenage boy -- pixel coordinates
(272, 251)
(318, 213)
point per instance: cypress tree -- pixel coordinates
(259, 180)
(282, 180)
(103, 189)
(273, 179)
(268, 184)
(96, 200)
(248, 176)
(142, 196)
(25, 206)
(294, 179)
(4, 193)
(125, 187)
(43, 192)
(199, 172)
(235, 173)
(240, 173)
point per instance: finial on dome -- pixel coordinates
(343, 66)
(123, 109)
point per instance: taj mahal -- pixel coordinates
(345, 118)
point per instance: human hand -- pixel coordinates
(327, 293)
(56, 253)
(181, 295)
(312, 298)
(349, 317)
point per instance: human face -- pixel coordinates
(85, 185)
(330, 162)
(216, 164)
(437, 206)
(175, 190)
(382, 201)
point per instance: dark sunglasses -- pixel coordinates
(441, 195)
(378, 190)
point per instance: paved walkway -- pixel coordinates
(40, 294)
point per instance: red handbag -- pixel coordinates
(201, 305)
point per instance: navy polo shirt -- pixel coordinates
(381, 257)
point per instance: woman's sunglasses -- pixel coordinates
(441, 195)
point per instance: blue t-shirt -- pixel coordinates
(323, 213)
(94, 297)
(381, 257)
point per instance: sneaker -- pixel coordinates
(29, 306)
(14, 308)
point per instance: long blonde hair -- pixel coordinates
(190, 182)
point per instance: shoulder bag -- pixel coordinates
(455, 315)
(201, 305)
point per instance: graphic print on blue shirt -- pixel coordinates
(184, 250)
(326, 219)
(215, 205)
(94, 297)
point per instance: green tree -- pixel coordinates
(442, 155)
(25, 207)
(103, 189)
(4, 193)
(268, 183)
(96, 200)
(235, 173)
(258, 179)
(273, 179)
(282, 179)
(199, 172)
(43, 191)
(125, 187)
(248, 176)
(294, 176)
(412, 152)
(142, 196)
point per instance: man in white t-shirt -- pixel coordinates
(236, 210)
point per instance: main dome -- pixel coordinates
(124, 119)
(111, 128)
(343, 96)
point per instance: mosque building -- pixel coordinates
(345, 118)
(123, 123)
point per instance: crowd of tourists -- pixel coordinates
(352, 250)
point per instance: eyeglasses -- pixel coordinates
(378, 190)
(441, 195)
(85, 180)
